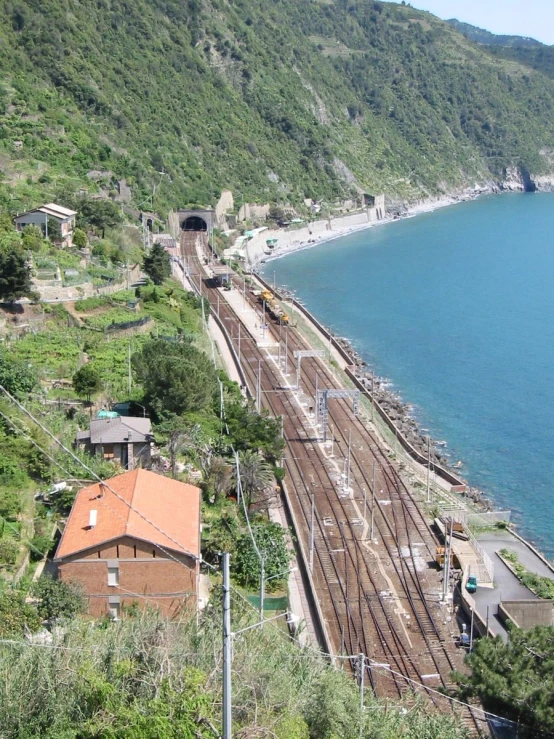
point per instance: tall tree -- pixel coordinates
(87, 382)
(157, 264)
(516, 679)
(176, 376)
(16, 377)
(257, 479)
(15, 272)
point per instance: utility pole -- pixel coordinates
(259, 387)
(361, 671)
(239, 344)
(365, 504)
(372, 396)
(471, 632)
(218, 305)
(262, 588)
(428, 469)
(348, 460)
(312, 518)
(129, 370)
(372, 503)
(263, 321)
(226, 717)
(287, 350)
(448, 554)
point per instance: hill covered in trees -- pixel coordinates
(481, 36)
(279, 100)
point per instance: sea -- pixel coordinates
(456, 309)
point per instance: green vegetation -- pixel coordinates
(157, 264)
(542, 586)
(302, 99)
(480, 36)
(177, 377)
(145, 678)
(515, 679)
(87, 382)
(15, 273)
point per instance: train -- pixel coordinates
(272, 306)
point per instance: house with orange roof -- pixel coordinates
(134, 539)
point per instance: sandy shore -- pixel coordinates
(322, 231)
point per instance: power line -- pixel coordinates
(95, 476)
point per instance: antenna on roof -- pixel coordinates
(92, 519)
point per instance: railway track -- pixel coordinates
(379, 597)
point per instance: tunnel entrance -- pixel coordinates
(194, 223)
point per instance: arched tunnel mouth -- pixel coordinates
(194, 223)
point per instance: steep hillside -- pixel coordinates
(481, 36)
(540, 58)
(277, 99)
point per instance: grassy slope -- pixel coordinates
(278, 100)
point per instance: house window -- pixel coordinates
(108, 451)
(154, 553)
(114, 608)
(113, 576)
(135, 550)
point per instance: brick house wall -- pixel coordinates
(145, 575)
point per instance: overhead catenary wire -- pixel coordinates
(367, 662)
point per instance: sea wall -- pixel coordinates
(456, 483)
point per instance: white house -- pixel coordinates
(44, 215)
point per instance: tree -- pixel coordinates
(270, 540)
(86, 382)
(16, 377)
(176, 376)
(217, 477)
(257, 480)
(516, 679)
(15, 272)
(79, 238)
(16, 614)
(32, 238)
(58, 598)
(181, 437)
(252, 430)
(54, 230)
(100, 214)
(157, 264)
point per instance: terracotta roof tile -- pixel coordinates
(173, 507)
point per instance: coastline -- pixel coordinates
(323, 231)
(402, 412)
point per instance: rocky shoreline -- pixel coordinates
(402, 415)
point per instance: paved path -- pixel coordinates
(506, 584)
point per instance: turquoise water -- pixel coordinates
(456, 307)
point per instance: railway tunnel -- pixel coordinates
(194, 223)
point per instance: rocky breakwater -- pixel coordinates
(402, 416)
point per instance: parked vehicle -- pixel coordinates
(471, 584)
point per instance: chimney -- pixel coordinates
(92, 518)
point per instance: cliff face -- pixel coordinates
(518, 179)
(273, 99)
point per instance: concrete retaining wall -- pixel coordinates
(526, 613)
(455, 482)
